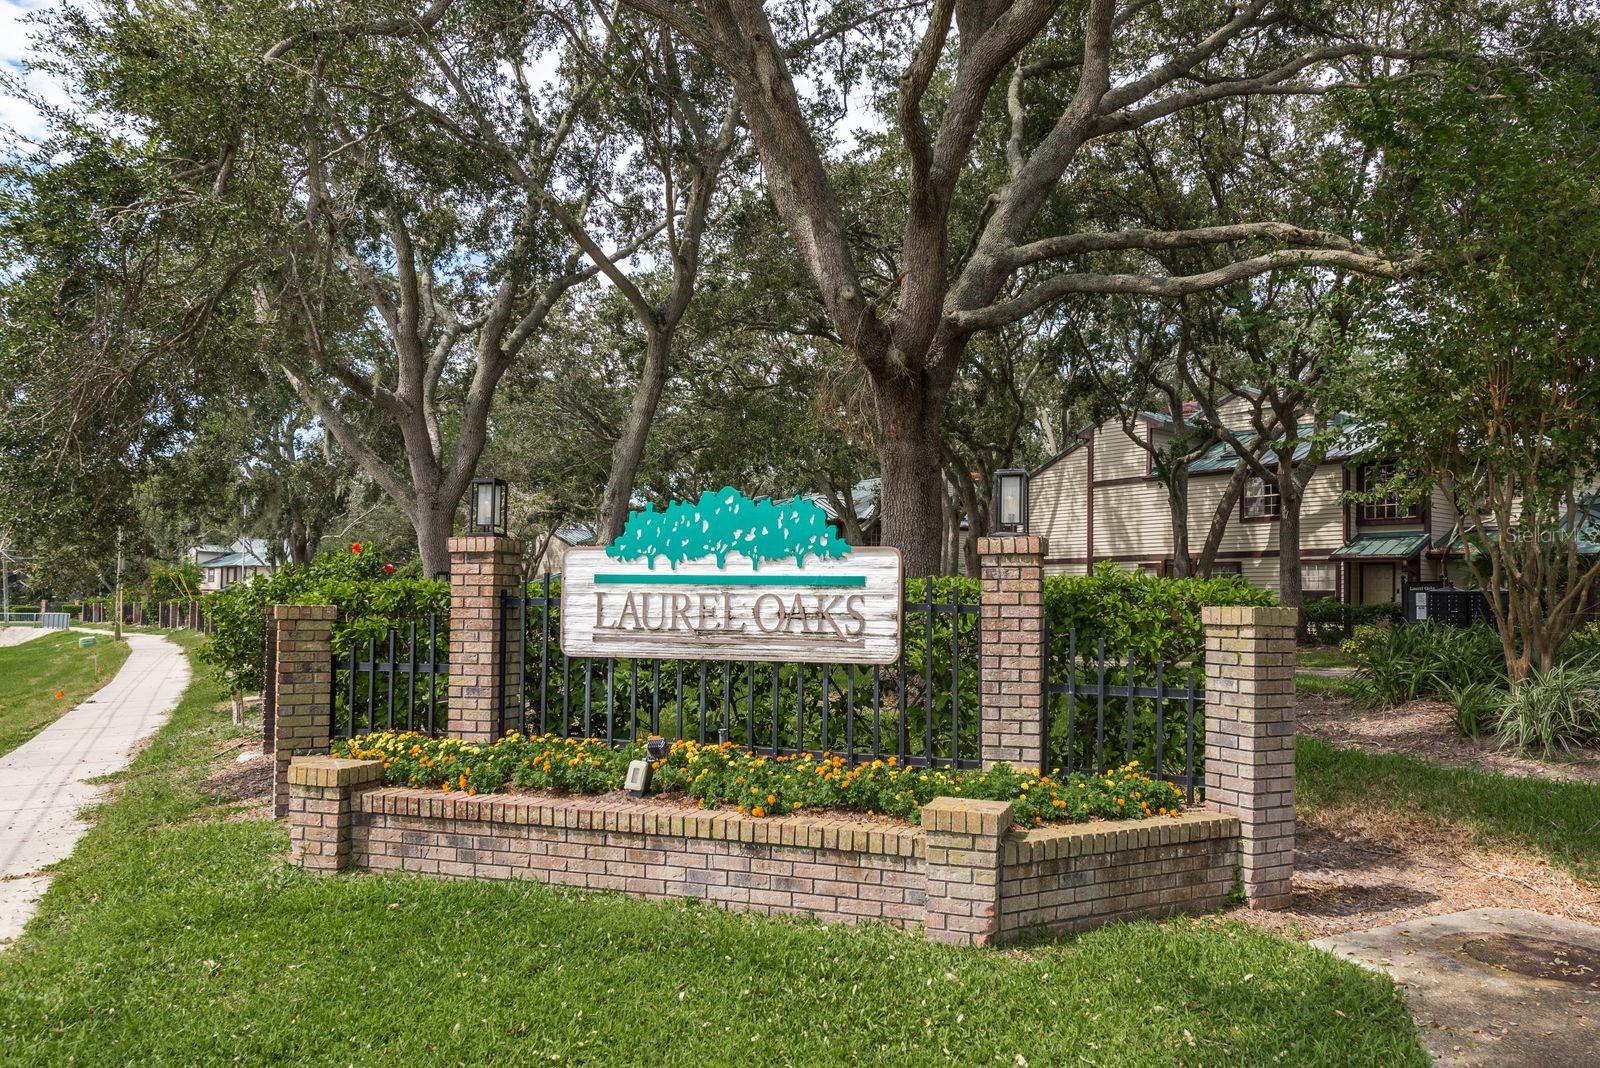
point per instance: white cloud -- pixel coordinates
(20, 121)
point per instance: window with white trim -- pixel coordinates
(1388, 508)
(1261, 499)
(1319, 579)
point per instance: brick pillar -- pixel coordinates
(1250, 740)
(301, 687)
(964, 842)
(1012, 627)
(322, 807)
(482, 569)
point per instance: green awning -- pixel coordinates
(1382, 546)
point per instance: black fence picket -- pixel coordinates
(1157, 709)
(397, 682)
(921, 710)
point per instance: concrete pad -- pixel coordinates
(1492, 986)
(44, 782)
(16, 635)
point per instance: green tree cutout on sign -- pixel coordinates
(726, 522)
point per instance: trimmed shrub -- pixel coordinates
(370, 596)
(1325, 617)
(1136, 614)
(1140, 615)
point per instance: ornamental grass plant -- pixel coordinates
(1553, 711)
(727, 774)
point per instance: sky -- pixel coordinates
(18, 119)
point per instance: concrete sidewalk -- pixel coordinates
(43, 783)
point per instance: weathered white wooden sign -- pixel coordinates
(656, 594)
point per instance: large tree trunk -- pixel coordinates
(629, 449)
(1178, 506)
(950, 528)
(433, 520)
(1289, 544)
(913, 484)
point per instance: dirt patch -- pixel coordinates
(1357, 868)
(242, 781)
(1426, 729)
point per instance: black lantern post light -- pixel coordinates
(489, 506)
(1010, 514)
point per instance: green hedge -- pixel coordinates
(370, 595)
(1135, 614)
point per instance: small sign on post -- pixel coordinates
(730, 578)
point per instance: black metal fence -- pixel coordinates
(923, 709)
(396, 681)
(1103, 713)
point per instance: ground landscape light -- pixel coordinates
(1011, 501)
(488, 506)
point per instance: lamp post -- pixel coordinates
(1010, 514)
(488, 506)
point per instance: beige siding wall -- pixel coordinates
(1058, 506)
(1132, 520)
(1118, 456)
(1444, 512)
(1235, 412)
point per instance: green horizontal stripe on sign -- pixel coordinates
(613, 579)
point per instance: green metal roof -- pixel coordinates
(1402, 546)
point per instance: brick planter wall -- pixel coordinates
(966, 876)
(1077, 876)
(838, 870)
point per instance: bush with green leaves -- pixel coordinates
(1553, 710)
(1140, 615)
(1325, 617)
(371, 596)
(169, 583)
(1583, 643)
(1399, 664)
(1477, 705)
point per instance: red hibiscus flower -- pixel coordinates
(355, 546)
(388, 569)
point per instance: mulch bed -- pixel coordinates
(1359, 867)
(1425, 729)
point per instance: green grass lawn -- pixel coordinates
(1327, 685)
(1321, 656)
(175, 936)
(1556, 820)
(33, 673)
